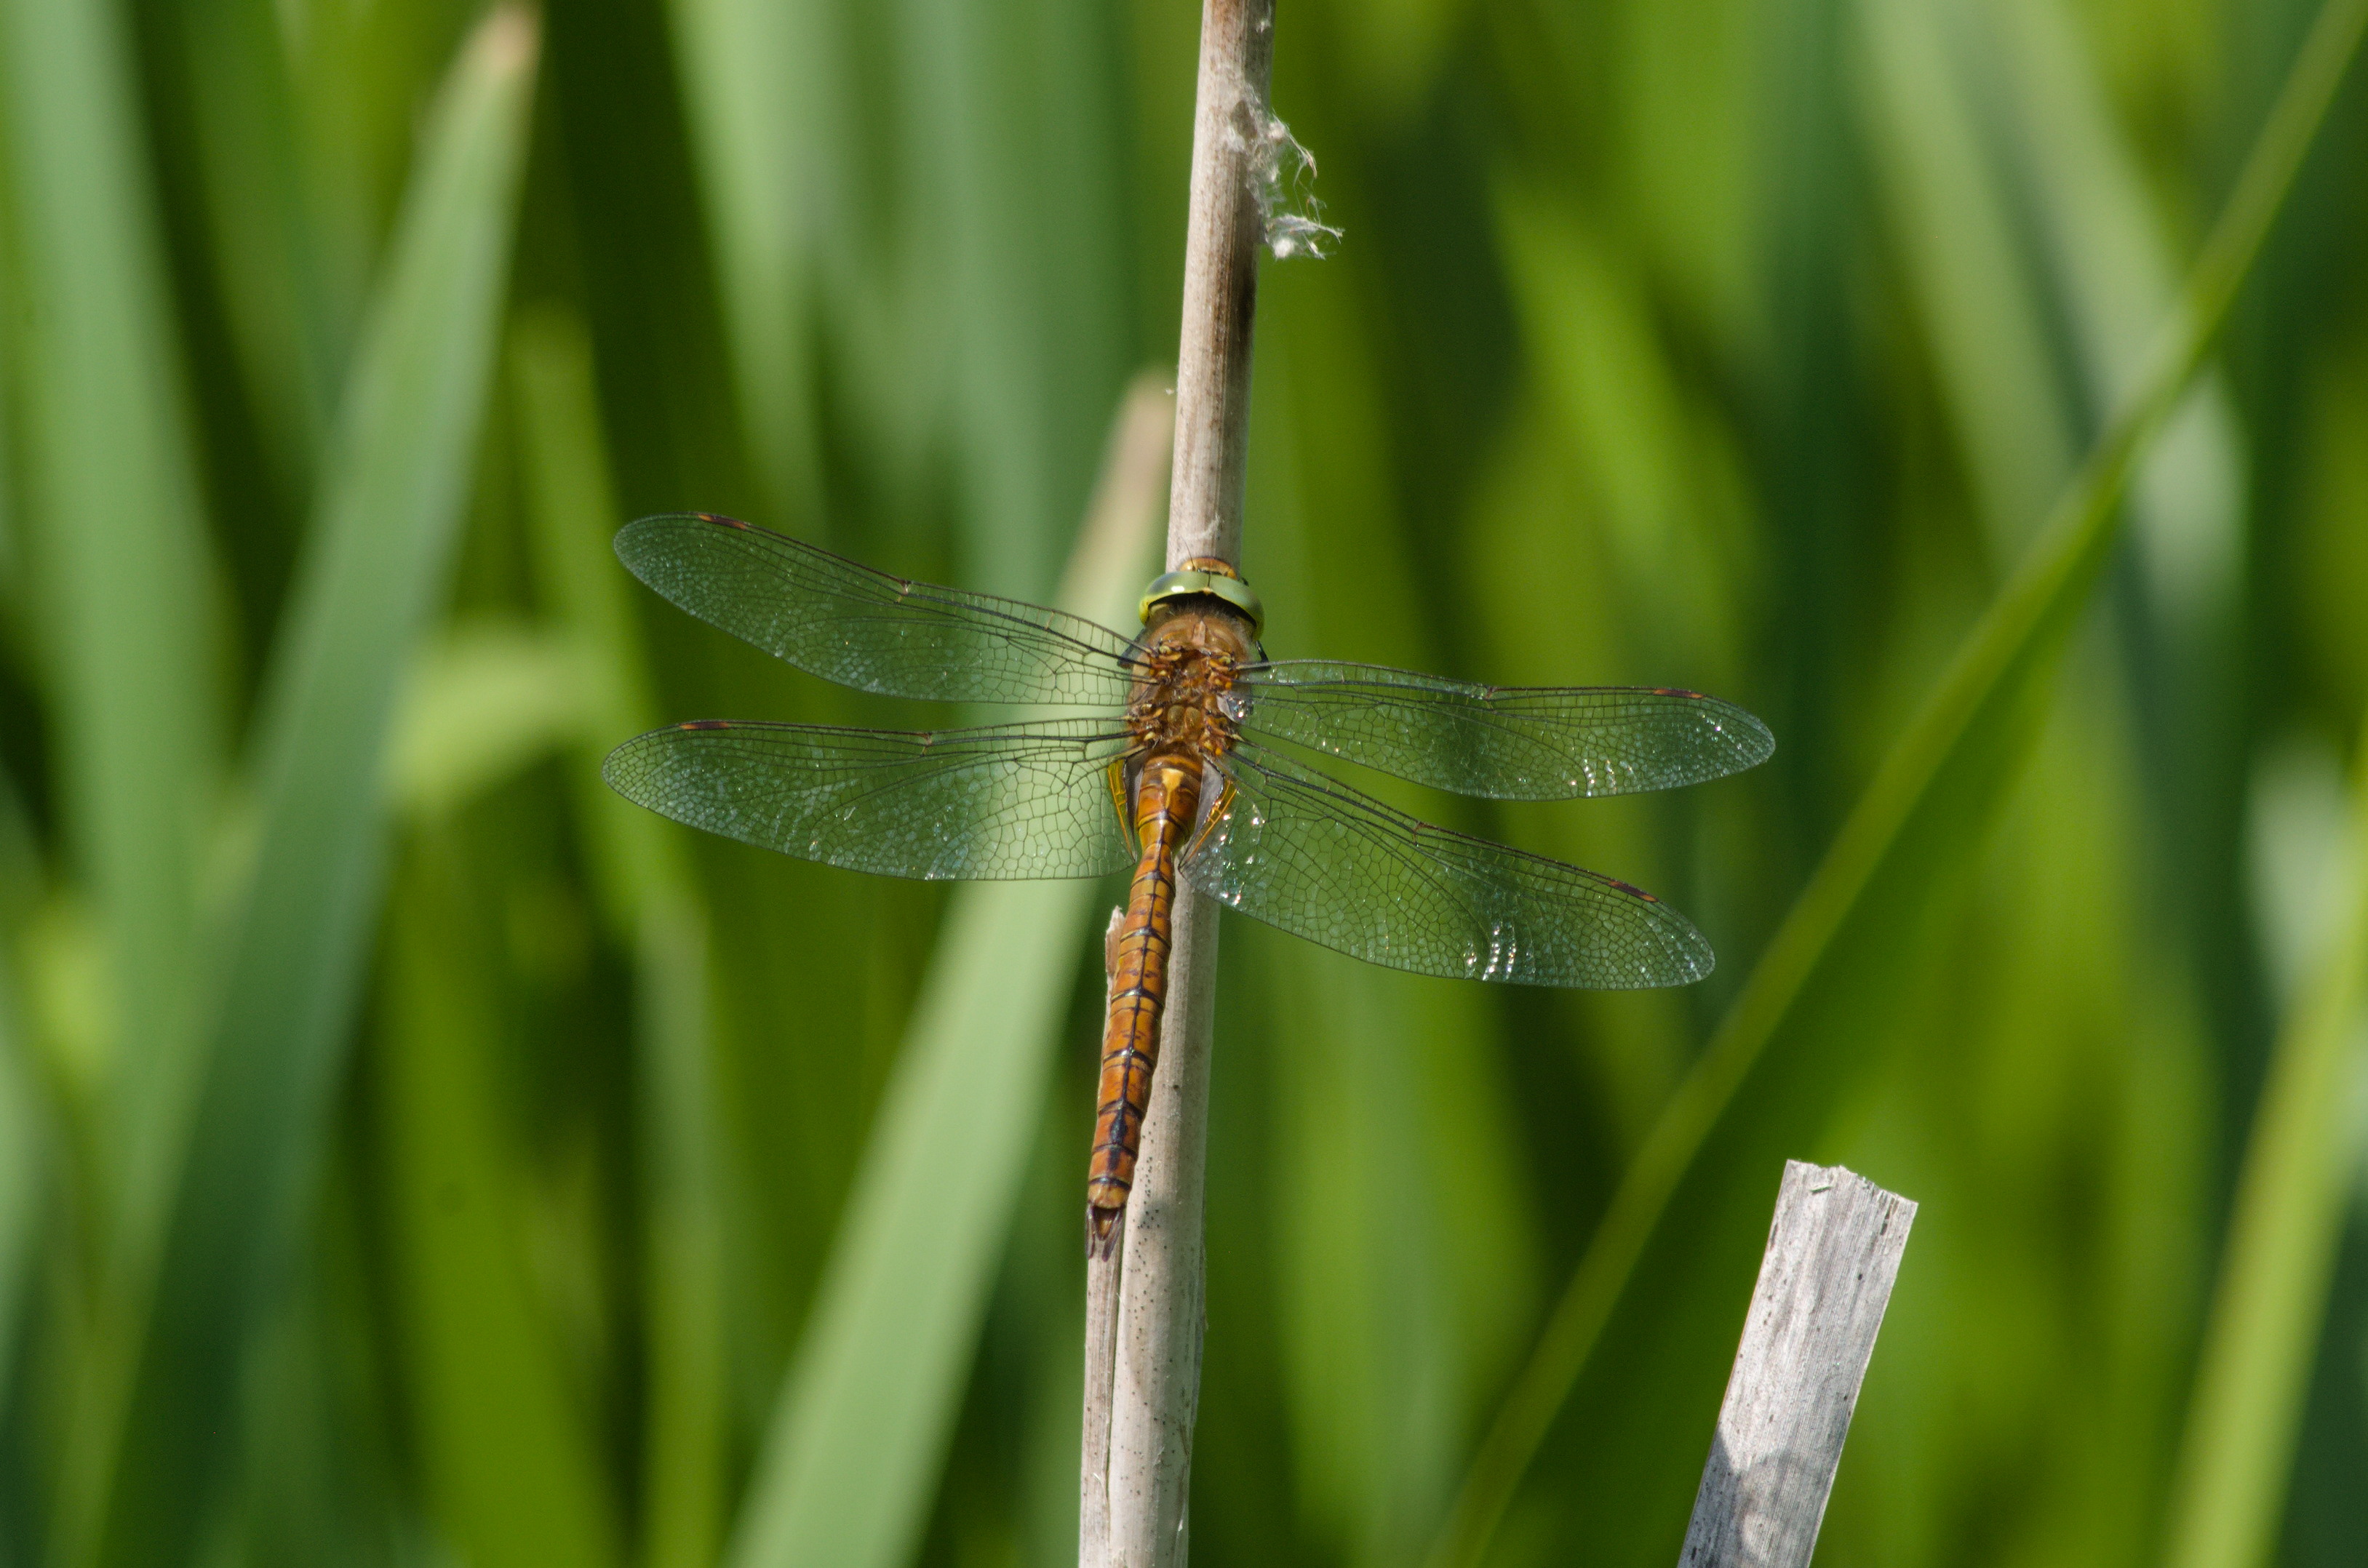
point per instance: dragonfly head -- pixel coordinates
(1210, 577)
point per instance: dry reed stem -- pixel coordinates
(1137, 1520)
(1833, 1254)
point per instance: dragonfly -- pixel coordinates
(1178, 755)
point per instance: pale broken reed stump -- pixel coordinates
(1833, 1253)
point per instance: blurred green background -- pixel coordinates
(410, 1154)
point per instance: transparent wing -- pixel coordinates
(1300, 851)
(1008, 800)
(847, 623)
(1504, 743)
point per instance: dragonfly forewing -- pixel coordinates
(1304, 853)
(847, 623)
(1503, 742)
(1003, 801)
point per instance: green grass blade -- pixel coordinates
(21, 1177)
(653, 904)
(115, 588)
(2283, 1230)
(1955, 233)
(394, 494)
(512, 1465)
(851, 1461)
(489, 698)
(1402, 1261)
(850, 1464)
(249, 162)
(2114, 269)
(1019, 196)
(1622, 418)
(573, 513)
(683, 1289)
(757, 85)
(112, 526)
(1764, 1079)
(28, 1156)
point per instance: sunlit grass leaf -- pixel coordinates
(573, 515)
(760, 92)
(113, 570)
(393, 492)
(513, 1464)
(1403, 1258)
(2110, 262)
(121, 584)
(1948, 201)
(859, 1433)
(485, 700)
(1394, 1216)
(1017, 213)
(1621, 419)
(972, 305)
(654, 906)
(249, 157)
(23, 1171)
(2049, 1009)
(2298, 1179)
(298, 121)
(1674, 1256)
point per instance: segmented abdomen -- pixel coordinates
(1166, 801)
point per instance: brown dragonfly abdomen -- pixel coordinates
(1183, 725)
(1166, 804)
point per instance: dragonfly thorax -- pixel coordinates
(1184, 697)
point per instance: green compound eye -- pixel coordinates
(1182, 585)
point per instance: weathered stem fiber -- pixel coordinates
(1833, 1252)
(1220, 248)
